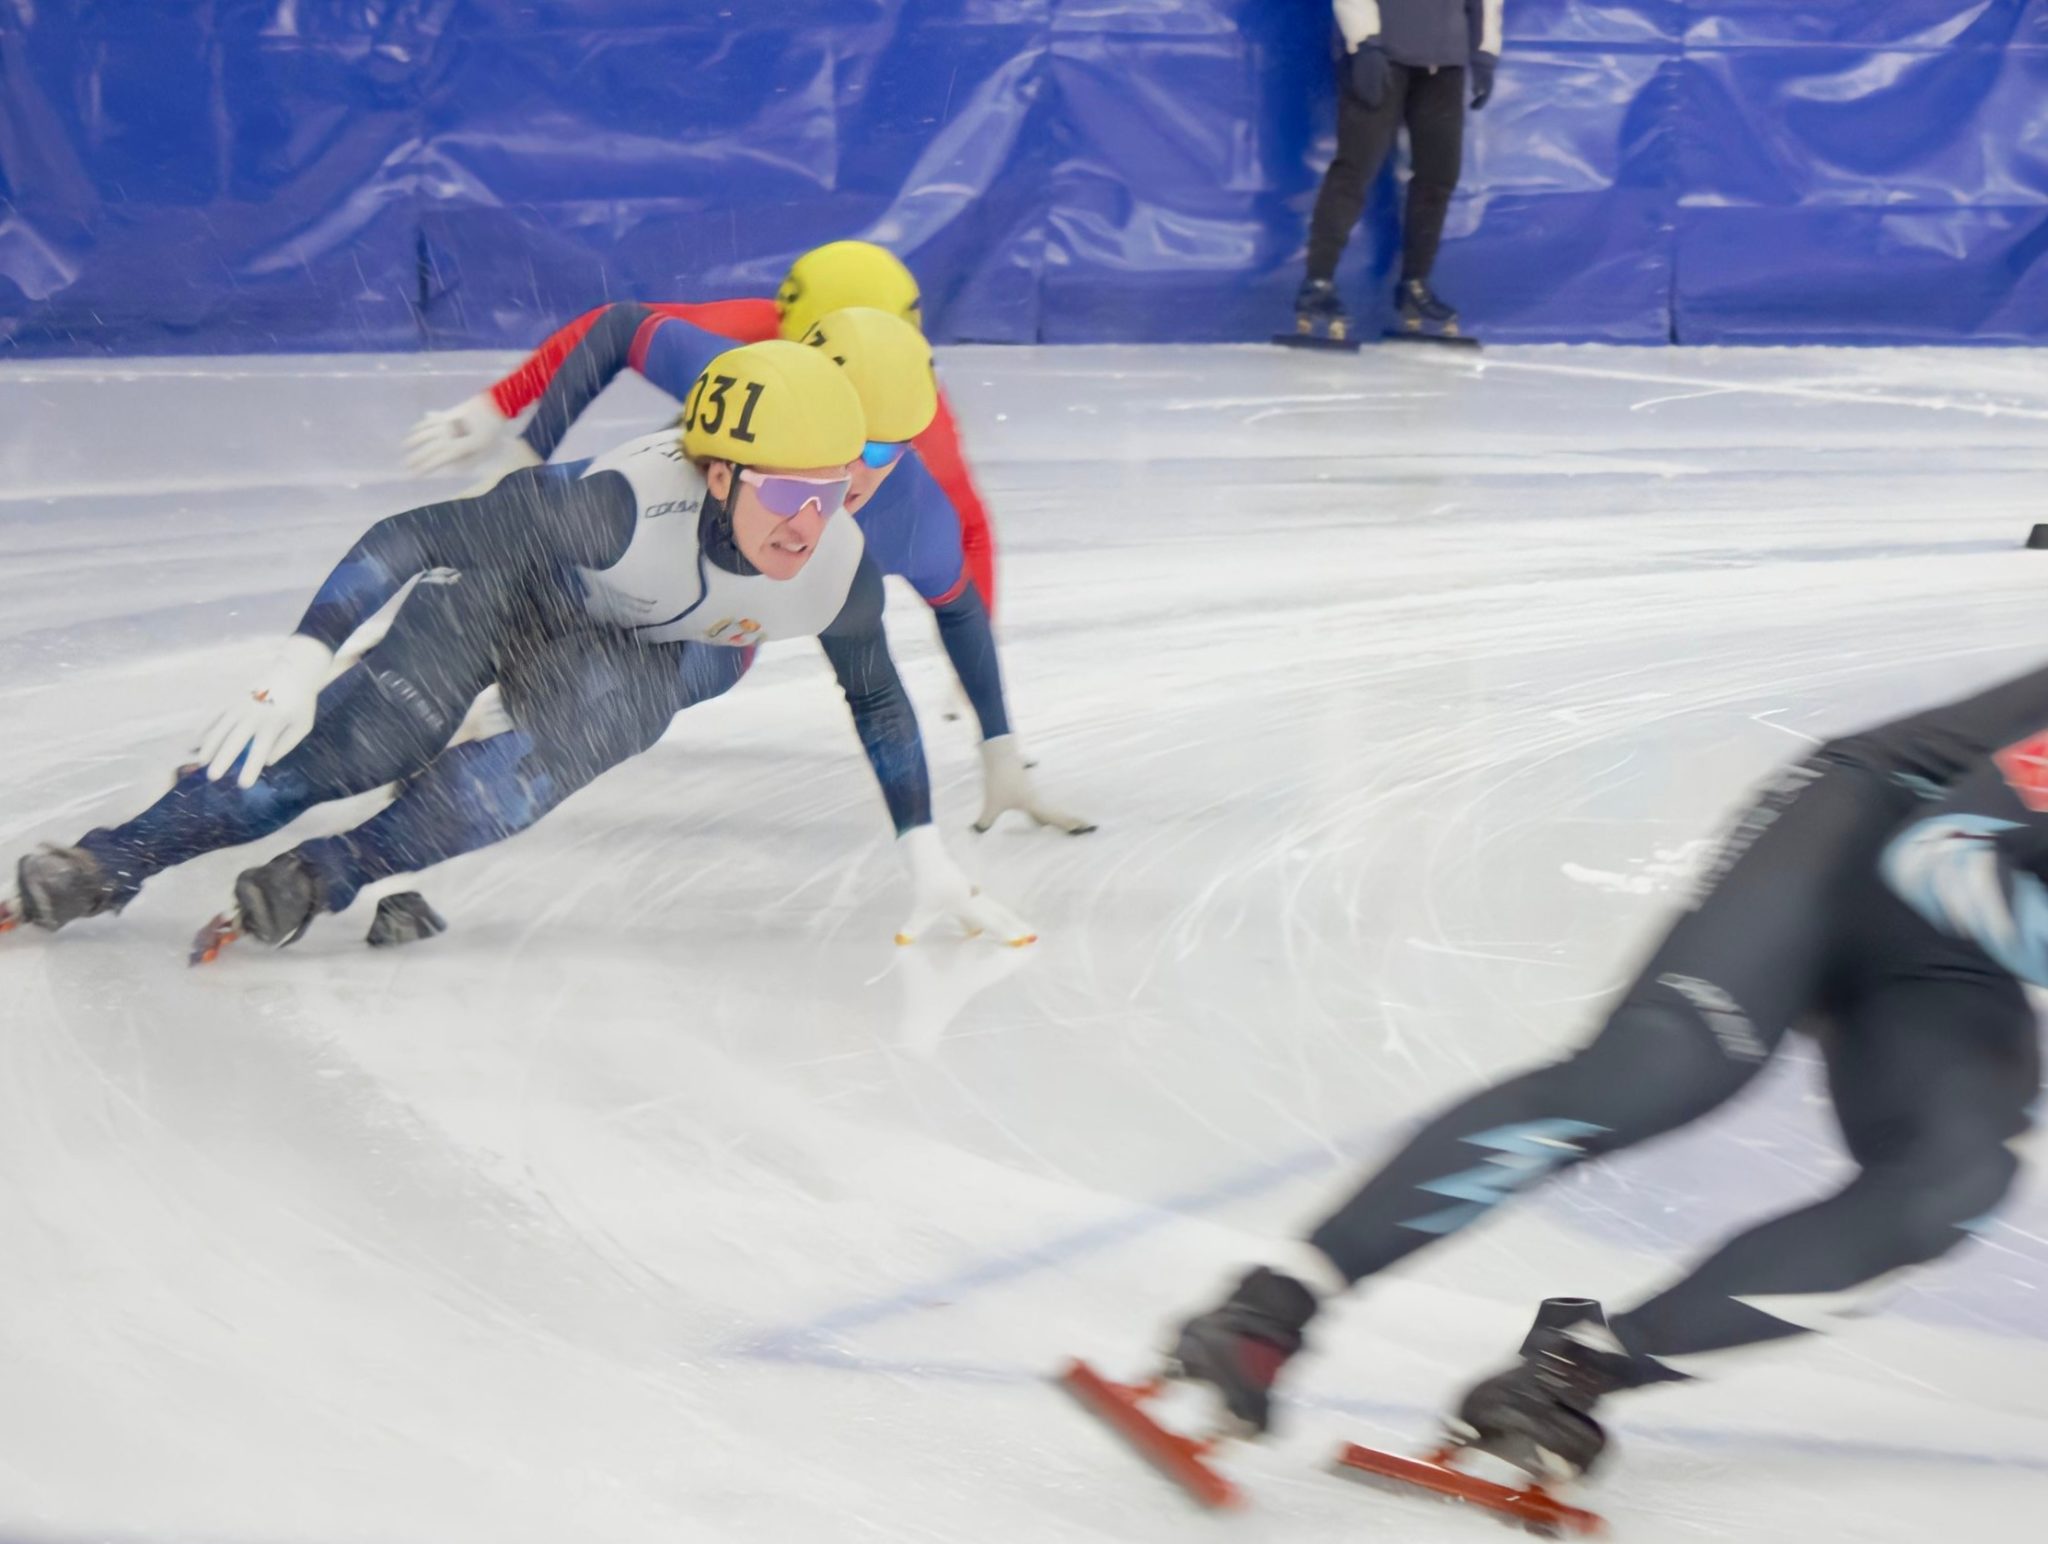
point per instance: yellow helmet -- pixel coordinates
(846, 273)
(890, 365)
(776, 405)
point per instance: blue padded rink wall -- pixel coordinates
(664, 1200)
(305, 174)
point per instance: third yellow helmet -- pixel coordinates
(846, 273)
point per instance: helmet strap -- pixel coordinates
(721, 542)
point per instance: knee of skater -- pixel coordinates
(1669, 1062)
(501, 784)
(1943, 1199)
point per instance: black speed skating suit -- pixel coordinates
(1929, 1040)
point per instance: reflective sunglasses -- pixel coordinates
(788, 497)
(880, 453)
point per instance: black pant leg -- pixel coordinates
(1933, 1063)
(1436, 146)
(1708, 1010)
(1364, 136)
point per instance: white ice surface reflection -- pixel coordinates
(664, 1199)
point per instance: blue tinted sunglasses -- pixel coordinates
(879, 454)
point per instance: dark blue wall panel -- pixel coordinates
(333, 174)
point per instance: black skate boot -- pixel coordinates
(59, 885)
(1419, 313)
(404, 919)
(278, 901)
(1538, 1416)
(1319, 318)
(1239, 1348)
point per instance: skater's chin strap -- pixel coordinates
(716, 539)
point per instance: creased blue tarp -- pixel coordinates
(217, 175)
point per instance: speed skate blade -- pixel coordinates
(1441, 339)
(1121, 1407)
(1531, 1507)
(208, 942)
(1313, 340)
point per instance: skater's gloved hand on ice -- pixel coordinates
(1370, 73)
(1006, 785)
(455, 436)
(940, 890)
(1482, 78)
(272, 716)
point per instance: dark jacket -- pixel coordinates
(1428, 34)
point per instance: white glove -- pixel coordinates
(1006, 785)
(275, 714)
(364, 639)
(938, 985)
(486, 718)
(940, 888)
(454, 437)
(516, 455)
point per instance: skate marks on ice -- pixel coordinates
(1665, 871)
(565, 1225)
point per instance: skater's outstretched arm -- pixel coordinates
(538, 517)
(939, 448)
(669, 351)
(519, 390)
(1007, 783)
(882, 715)
(1973, 865)
(913, 531)
(471, 429)
(971, 646)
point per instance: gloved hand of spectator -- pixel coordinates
(1370, 73)
(1482, 78)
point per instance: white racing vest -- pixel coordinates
(664, 590)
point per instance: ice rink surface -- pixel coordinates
(664, 1199)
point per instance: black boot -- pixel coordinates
(404, 919)
(1239, 1348)
(278, 901)
(1538, 1415)
(1319, 311)
(1421, 311)
(59, 885)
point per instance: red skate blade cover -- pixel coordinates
(214, 937)
(1532, 1507)
(1121, 1407)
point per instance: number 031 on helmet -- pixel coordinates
(775, 405)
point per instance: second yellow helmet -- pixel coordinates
(890, 365)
